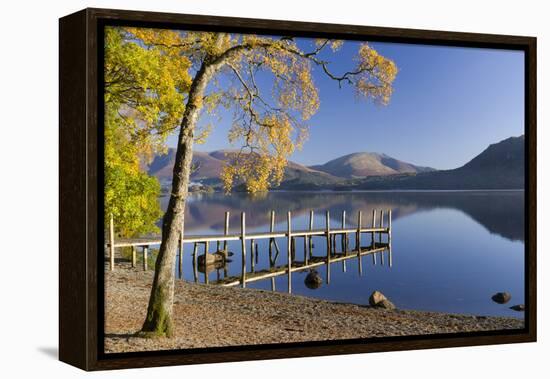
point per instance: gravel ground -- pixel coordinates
(209, 316)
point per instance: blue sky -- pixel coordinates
(448, 105)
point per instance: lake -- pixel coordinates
(451, 250)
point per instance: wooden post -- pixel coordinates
(111, 243)
(344, 235)
(305, 250)
(389, 226)
(372, 236)
(389, 239)
(180, 267)
(358, 242)
(380, 236)
(327, 230)
(289, 252)
(133, 256)
(205, 260)
(329, 245)
(271, 230)
(145, 251)
(226, 231)
(374, 226)
(358, 233)
(195, 263)
(252, 261)
(381, 225)
(243, 250)
(310, 238)
(272, 222)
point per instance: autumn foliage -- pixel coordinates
(270, 121)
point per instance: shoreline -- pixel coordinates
(370, 191)
(214, 316)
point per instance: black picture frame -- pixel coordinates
(81, 185)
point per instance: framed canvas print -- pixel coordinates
(238, 189)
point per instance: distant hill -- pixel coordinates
(209, 166)
(360, 165)
(500, 166)
(162, 165)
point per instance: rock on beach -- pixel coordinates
(377, 299)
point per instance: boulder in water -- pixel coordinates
(313, 280)
(501, 297)
(209, 259)
(518, 308)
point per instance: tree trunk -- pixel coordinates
(158, 321)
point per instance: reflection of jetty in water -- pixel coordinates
(380, 242)
(309, 263)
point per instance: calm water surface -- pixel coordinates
(451, 250)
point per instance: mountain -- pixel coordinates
(300, 177)
(500, 166)
(209, 166)
(360, 165)
(162, 165)
(507, 155)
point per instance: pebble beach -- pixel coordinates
(214, 316)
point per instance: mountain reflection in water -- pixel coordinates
(500, 212)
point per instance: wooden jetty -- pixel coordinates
(329, 234)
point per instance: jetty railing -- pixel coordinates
(379, 226)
